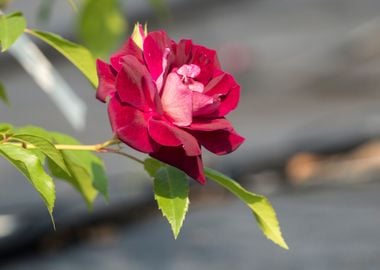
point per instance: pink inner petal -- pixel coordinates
(189, 71)
(196, 87)
(177, 100)
(200, 101)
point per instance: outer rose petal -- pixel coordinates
(106, 80)
(129, 48)
(155, 45)
(225, 87)
(177, 100)
(210, 125)
(230, 101)
(167, 134)
(219, 142)
(130, 125)
(176, 157)
(134, 84)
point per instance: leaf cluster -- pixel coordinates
(32, 150)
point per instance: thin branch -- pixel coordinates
(115, 151)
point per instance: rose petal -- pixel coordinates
(229, 102)
(219, 142)
(183, 52)
(166, 134)
(207, 60)
(177, 100)
(219, 85)
(130, 125)
(160, 79)
(189, 71)
(210, 125)
(204, 104)
(176, 157)
(129, 48)
(134, 85)
(227, 90)
(106, 77)
(155, 45)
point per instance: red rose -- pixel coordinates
(168, 99)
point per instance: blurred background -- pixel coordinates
(310, 77)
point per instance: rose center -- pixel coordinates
(188, 73)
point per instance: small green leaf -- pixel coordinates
(11, 28)
(30, 166)
(86, 169)
(260, 206)
(44, 146)
(101, 26)
(171, 190)
(3, 94)
(152, 165)
(77, 54)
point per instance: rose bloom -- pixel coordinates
(168, 99)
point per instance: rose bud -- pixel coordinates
(169, 99)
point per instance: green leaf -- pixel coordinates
(77, 54)
(5, 127)
(34, 130)
(86, 170)
(171, 190)
(3, 94)
(44, 146)
(11, 28)
(152, 165)
(30, 166)
(101, 26)
(260, 206)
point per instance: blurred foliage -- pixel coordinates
(101, 26)
(73, 5)
(4, 3)
(3, 94)
(44, 11)
(161, 8)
